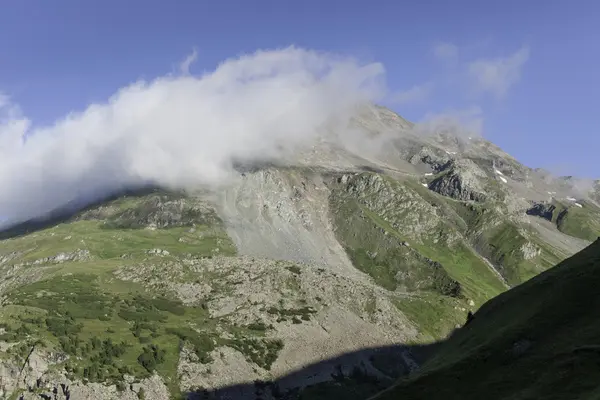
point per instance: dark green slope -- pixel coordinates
(539, 340)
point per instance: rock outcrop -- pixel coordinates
(461, 181)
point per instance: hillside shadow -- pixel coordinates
(351, 376)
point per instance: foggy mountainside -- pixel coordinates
(267, 231)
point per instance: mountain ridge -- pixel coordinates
(287, 264)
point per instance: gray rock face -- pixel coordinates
(543, 210)
(461, 182)
(37, 378)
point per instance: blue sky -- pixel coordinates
(529, 70)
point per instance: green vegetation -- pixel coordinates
(110, 333)
(501, 241)
(296, 315)
(182, 228)
(417, 260)
(294, 269)
(161, 209)
(436, 316)
(582, 222)
(538, 340)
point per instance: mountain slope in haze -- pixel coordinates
(539, 340)
(162, 294)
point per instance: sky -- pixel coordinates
(523, 73)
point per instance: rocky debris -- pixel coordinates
(317, 313)
(77, 255)
(40, 377)
(5, 258)
(229, 367)
(158, 252)
(400, 206)
(283, 214)
(462, 181)
(435, 158)
(530, 251)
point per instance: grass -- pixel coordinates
(478, 281)
(377, 249)
(436, 316)
(296, 315)
(500, 240)
(113, 333)
(107, 243)
(581, 222)
(539, 340)
(111, 327)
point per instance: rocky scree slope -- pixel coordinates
(157, 294)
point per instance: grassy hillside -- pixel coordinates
(68, 295)
(582, 222)
(539, 340)
(408, 240)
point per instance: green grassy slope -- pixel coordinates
(582, 222)
(407, 238)
(109, 327)
(539, 340)
(579, 221)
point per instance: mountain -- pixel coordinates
(536, 341)
(332, 274)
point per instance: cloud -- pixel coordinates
(184, 67)
(496, 76)
(463, 123)
(447, 52)
(182, 131)
(12, 126)
(415, 94)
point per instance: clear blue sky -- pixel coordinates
(531, 67)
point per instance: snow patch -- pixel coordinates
(498, 172)
(503, 179)
(578, 205)
(571, 199)
(428, 173)
(424, 184)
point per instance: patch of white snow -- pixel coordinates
(503, 179)
(578, 205)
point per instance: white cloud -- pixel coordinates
(184, 67)
(463, 123)
(496, 76)
(447, 52)
(12, 126)
(415, 94)
(182, 131)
